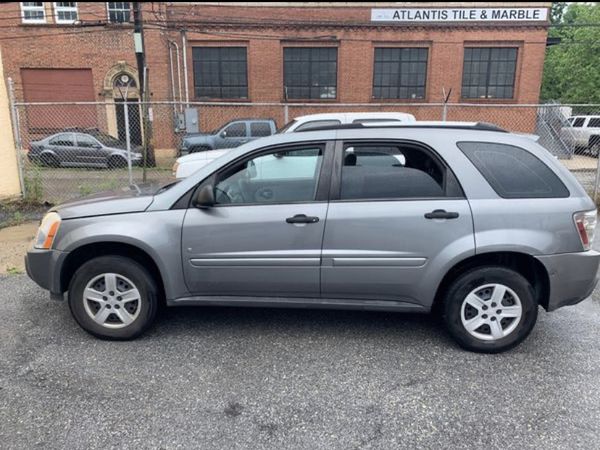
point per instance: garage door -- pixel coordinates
(58, 85)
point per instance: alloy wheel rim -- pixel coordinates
(491, 312)
(112, 300)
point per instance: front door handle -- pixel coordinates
(441, 214)
(302, 218)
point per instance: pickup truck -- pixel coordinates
(230, 135)
(585, 132)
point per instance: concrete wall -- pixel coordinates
(9, 171)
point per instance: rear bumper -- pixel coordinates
(573, 277)
(43, 267)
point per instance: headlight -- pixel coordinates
(47, 231)
(175, 167)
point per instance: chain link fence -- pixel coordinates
(70, 150)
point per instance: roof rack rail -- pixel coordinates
(481, 126)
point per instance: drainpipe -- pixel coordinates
(185, 70)
(172, 80)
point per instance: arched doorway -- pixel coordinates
(120, 86)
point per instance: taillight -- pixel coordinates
(585, 222)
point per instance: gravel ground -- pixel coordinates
(266, 378)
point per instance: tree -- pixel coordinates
(571, 68)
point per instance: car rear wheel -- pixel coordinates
(490, 309)
(49, 160)
(116, 162)
(113, 297)
(595, 148)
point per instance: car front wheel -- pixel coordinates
(113, 297)
(490, 309)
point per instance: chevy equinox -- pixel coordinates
(463, 218)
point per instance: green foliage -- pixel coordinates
(33, 186)
(572, 68)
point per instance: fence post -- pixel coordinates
(16, 132)
(127, 138)
(286, 114)
(597, 180)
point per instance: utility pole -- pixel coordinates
(140, 56)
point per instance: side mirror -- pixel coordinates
(204, 197)
(224, 134)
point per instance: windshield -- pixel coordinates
(286, 126)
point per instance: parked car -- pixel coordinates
(584, 131)
(232, 134)
(480, 224)
(303, 123)
(188, 164)
(92, 148)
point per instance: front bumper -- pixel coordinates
(573, 277)
(43, 267)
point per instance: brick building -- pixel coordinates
(316, 53)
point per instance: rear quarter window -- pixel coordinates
(513, 172)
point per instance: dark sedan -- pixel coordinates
(82, 149)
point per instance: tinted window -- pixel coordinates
(594, 122)
(390, 172)
(280, 176)
(489, 72)
(237, 129)
(513, 172)
(310, 72)
(578, 123)
(220, 72)
(65, 140)
(316, 124)
(260, 129)
(86, 141)
(400, 73)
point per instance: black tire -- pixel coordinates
(116, 162)
(470, 281)
(125, 267)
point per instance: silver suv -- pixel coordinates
(466, 219)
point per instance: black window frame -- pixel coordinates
(452, 187)
(218, 90)
(313, 78)
(61, 142)
(118, 14)
(496, 187)
(472, 57)
(406, 57)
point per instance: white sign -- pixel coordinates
(460, 15)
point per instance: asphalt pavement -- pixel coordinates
(267, 378)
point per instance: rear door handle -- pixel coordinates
(441, 214)
(302, 218)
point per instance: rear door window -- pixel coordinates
(394, 171)
(513, 172)
(594, 122)
(259, 129)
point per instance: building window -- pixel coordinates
(220, 72)
(310, 72)
(118, 12)
(489, 72)
(400, 73)
(65, 12)
(33, 12)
